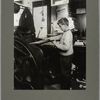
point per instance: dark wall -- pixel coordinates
(75, 4)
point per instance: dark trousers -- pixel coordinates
(65, 66)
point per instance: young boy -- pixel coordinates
(65, 46)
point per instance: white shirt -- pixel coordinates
(67, 41)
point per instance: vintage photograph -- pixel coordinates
(50, 44)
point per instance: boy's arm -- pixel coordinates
(66, 43)
(55, 37)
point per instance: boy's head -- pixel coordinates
(63, 24)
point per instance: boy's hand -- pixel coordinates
(51, 38)
(55, 43)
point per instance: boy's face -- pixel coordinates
(63, 27)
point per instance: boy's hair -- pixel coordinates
(63, 21)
